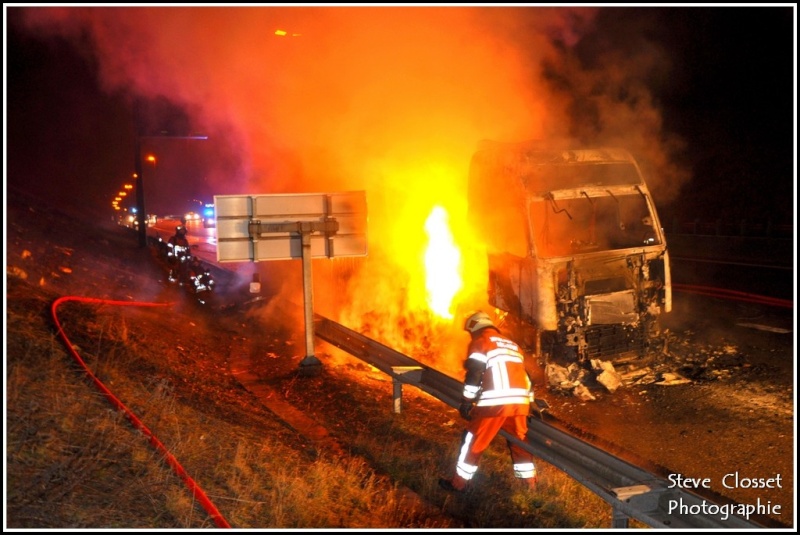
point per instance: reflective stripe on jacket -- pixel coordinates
(495, 371)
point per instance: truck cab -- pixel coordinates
(576, 253)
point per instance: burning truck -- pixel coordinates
(577, 259)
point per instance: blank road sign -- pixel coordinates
(238, 214)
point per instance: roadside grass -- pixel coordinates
(73, 461)
(420, 444)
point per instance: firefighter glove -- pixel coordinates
(464, 409)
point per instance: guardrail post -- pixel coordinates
(400, 375)
(619, 520)
(397, 396)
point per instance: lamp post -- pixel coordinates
(141, 215)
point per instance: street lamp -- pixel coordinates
(141, 216)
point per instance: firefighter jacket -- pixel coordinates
(178, 246)
(496, 375)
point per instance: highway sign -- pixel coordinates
(272, 227)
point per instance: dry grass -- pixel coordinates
(419, 445)
(73, 461)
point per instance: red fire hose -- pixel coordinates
(735, 295)
(198, 493)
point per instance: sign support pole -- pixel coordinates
(308, 303)
(327, 225)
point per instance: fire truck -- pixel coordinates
(577, 258)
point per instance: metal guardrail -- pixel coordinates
(631, 491)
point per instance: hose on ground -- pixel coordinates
(197, 492)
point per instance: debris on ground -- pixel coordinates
(678, 366)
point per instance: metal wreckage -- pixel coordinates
(578, 261)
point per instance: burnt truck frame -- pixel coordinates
(577, 258)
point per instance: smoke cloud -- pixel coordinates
(390, 100)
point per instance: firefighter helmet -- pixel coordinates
(477, 321)
(180, 230)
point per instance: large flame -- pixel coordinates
(442, 263)
(342, 99)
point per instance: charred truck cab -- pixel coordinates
(576, 253)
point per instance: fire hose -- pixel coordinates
(197, 492)
(735, 295)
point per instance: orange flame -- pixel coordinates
(442, 264)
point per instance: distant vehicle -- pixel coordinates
(127, 220)
(209, 215)
(576, 253)
(131, 221)
(191, 216)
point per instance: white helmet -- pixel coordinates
(477, 321)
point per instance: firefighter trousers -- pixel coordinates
(480, 432)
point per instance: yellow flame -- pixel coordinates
(442, 264)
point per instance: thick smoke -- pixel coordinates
(390, 100)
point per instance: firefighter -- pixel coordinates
(177, 253)
(497, 395)
(178, 239)
(199, 276)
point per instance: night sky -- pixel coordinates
(730, 98)
(717, 85)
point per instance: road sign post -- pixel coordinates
(290, 226)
